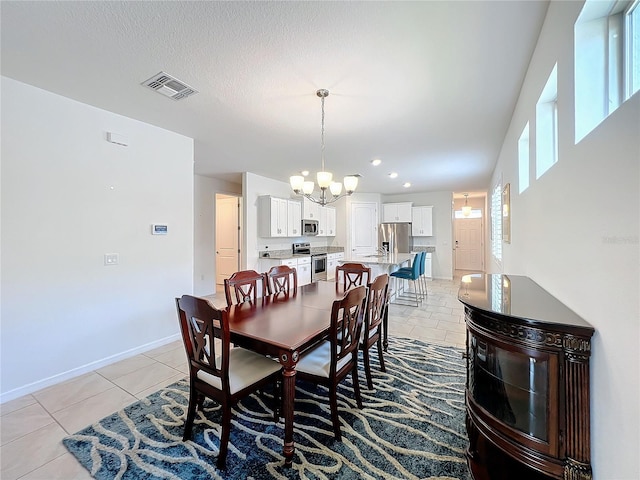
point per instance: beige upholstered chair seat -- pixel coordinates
(318, 361)
(245, 368)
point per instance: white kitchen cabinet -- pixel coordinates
(301, 264)
(427, 266)
(331, 221)
(304, 270)
(333, 260)
(396, 212)
(279, 217)
(310, 210)
(322, 222)
(422, 221)
(294, 218)
(326, 217)
(272, 216)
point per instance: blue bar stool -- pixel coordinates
(423, 280)
(412, 274)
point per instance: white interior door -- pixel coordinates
(364, 228)
(469, 252)
(227, 237)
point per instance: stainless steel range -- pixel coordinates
(318, 261)
(302, 248)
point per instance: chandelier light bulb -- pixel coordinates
(324, 179)
(296, 182)
(350, 183)
(307, 188)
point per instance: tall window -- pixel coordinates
(523, 159)
(607, 66)
(547, 125)
(632, 48)
(496, 221)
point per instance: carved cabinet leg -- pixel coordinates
(576, 378)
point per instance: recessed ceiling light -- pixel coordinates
(393, 175)
(406, 184)
(305, 173)
(376, 162)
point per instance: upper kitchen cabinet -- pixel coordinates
(396, 212)
(294, 218)
(331, 221)
(310, 210)
(422, 221)
(278, 217)
(327, 222)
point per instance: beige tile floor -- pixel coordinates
(33, 426)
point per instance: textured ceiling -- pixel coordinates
(427, 87)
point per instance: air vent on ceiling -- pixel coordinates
(169, 86)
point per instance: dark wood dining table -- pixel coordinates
(284, 326)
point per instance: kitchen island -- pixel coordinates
(379, 264)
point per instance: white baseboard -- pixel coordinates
(89, 367)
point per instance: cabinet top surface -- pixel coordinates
(518, 297)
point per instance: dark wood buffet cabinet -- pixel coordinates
(527, 389)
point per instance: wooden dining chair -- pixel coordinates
(331, 361)
(282, 278)
(352, 274)
(216, 370)
(377, 302)
(244, 285)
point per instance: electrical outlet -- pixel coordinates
(110, 259)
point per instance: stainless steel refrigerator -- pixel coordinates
(395, 237)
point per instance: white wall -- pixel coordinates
(442, 259)
(69, 197)
(575, 232)
(204, 271)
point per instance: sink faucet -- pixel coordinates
(383, 250)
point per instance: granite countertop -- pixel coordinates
(378, 259)
(425, 248)
(285, 254)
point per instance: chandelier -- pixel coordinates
(324, 178)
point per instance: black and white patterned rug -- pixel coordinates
(411, 426)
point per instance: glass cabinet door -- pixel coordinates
(511, 385)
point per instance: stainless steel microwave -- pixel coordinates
(309, 227)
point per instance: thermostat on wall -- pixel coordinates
(159, 229)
